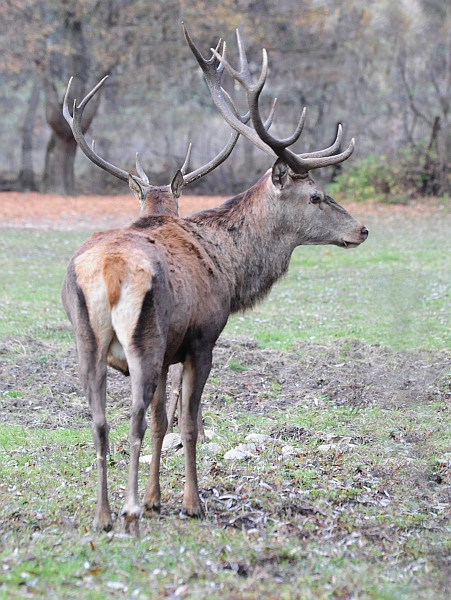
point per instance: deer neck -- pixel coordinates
(252, 244)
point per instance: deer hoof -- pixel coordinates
(131, 524)
(195, 512)
(131, 513)
(150, 509)
(103, 523)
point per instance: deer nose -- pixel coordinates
(364, 232)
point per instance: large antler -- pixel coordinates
(259, 135)
(74, 121)
(213, 69)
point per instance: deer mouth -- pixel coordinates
(349, 244)
(354, 242)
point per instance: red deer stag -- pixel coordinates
(160, 292)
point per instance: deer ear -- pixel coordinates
(279, 174)
(177, 184)
(136, 187)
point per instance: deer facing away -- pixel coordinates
(160, 291)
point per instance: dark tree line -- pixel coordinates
(383, 69)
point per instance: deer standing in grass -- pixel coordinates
(160, 291)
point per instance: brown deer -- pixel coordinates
(160, 291)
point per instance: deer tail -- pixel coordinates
(113, 271)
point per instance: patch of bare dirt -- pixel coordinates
(39, 386)
(64, 213)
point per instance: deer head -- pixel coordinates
(323, 220)
(154, 200)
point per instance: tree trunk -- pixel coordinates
(26, 178)
(432, 183)
(58, 175)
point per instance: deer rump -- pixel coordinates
(145, 293)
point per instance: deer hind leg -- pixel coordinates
(144, 378)
(100, 430)
(195, 373)
(92, 368)
(152, 495)
(144, 344)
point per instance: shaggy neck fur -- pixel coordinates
(250, 241)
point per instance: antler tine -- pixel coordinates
(327, 151)
(243, 119)
(74, 122)
(299, 163)
(278, 145)
(306, 164)
(270, 119)
(90, 94)
(187, 159)
(66, 113)
(140, 170)
(218, 66)
(215, 162)
(243, 76)
(211, 66)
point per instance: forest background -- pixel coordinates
(382, 69)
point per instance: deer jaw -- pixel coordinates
(315, 217)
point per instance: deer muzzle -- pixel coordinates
(353, 243)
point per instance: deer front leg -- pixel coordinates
(176, 401)
(200, 425)
(195, 372)
(176, 372)
(152, 495)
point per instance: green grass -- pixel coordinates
(32, 264)
(393, 290)
(377, 528)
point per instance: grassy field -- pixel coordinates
(359, 508)
(395, 289)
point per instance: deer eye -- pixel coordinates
(315, 198)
